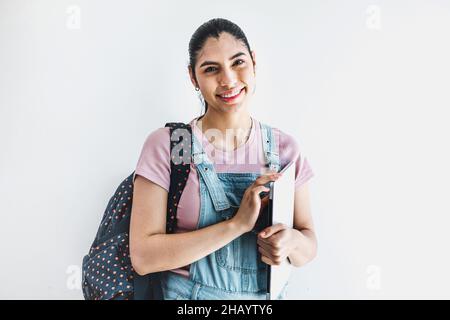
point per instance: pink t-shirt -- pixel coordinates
(154, 164)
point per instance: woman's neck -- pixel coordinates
(232, 121)
(238, 125)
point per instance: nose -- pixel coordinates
(228, 78)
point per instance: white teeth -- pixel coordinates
(232, 94)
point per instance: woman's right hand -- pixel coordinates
(251, 203)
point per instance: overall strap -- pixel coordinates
(270, 146)
(206, 170)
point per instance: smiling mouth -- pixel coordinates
(228, 99)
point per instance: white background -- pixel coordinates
(362, 85)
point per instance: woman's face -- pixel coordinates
(225, 73)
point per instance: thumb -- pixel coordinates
(267, 232)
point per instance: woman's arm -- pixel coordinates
(152, 250)
(303, 233)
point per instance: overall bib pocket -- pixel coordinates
(241, 254)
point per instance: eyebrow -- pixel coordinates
(206, 63)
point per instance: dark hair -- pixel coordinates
(213, 28)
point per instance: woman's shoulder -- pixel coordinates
(285, 140)
(154, 160)
(161, 136)
(290, 151)
(157, 141)
(288, 145)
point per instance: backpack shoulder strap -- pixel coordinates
(180, 156)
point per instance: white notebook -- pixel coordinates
(281, 210)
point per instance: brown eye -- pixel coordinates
(207, 70)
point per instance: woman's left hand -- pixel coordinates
(275, 243)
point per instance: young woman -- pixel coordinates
(214, 254)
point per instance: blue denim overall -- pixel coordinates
(234, 271)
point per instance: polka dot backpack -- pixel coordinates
(107, 270)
